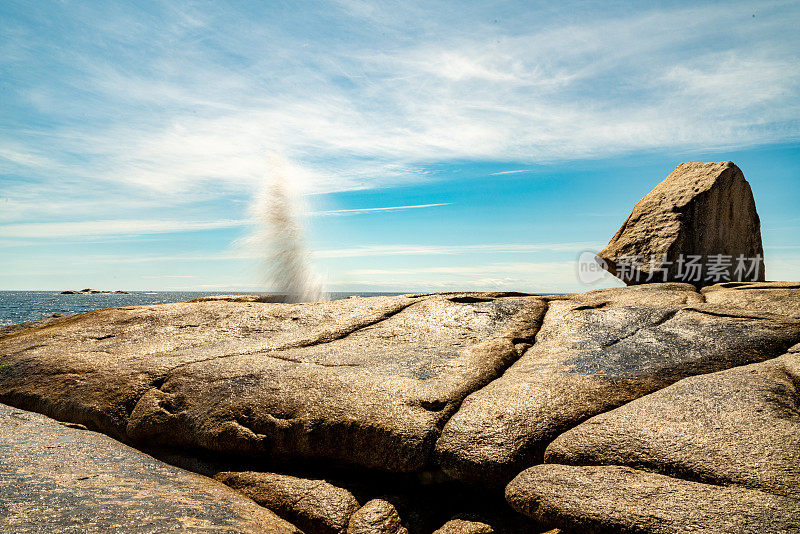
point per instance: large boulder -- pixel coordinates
(591, 357)
(367, 381)
(59, 478)
(622, 500)
(740, 426)
(700, 211)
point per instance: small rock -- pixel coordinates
(316, 506)
(376, 517)
(461, 526)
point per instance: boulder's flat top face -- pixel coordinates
(738, 426)
(364, 381)
(60, 479)
(700, 209)
(685, 183)
(590, 357)
(626, 500)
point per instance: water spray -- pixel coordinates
(288, 267)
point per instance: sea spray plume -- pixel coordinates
(280, 234)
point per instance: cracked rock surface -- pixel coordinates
(600, 499)
(591, 357)
(429, 404)
(367, 381)
(740, 426)
(61, 479)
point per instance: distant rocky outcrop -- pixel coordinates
(699, 226)
(654, 408)
(90, 291)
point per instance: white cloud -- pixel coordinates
(509, 172)
(110, 227)
(361, 211)
(557, 276)
(433, 250)
(356, 115)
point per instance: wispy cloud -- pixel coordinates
(433, 250)
(365, 114)
(139, 121)
(361, 211)
(60, 230)
(509, 172)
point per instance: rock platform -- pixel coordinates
(462, 412)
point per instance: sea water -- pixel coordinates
(22, 306)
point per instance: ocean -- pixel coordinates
(23, 306)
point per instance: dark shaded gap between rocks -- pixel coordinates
(425, 500)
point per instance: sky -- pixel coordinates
(430, 145)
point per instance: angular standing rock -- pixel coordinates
(700, 209)
(61, 479)
(740, 426)
(316, 506)
(600, 499)
(592, 357)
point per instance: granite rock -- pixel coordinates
(366, 381)
(623, 500)
(700, 209)
(376, 517)
(740, 426)
(590, 358)
(316, 506)
(774, 297)
(56, 478)
(462, 526)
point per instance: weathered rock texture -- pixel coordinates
(591, 357)
(382, 394)
(774, 297)
(702, 209)
(359, 381)
(461, 526)
(740, 426)
(614, 499)
(376, 517)
(54, 478)
(316, 506)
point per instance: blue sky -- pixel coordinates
(434, 145)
